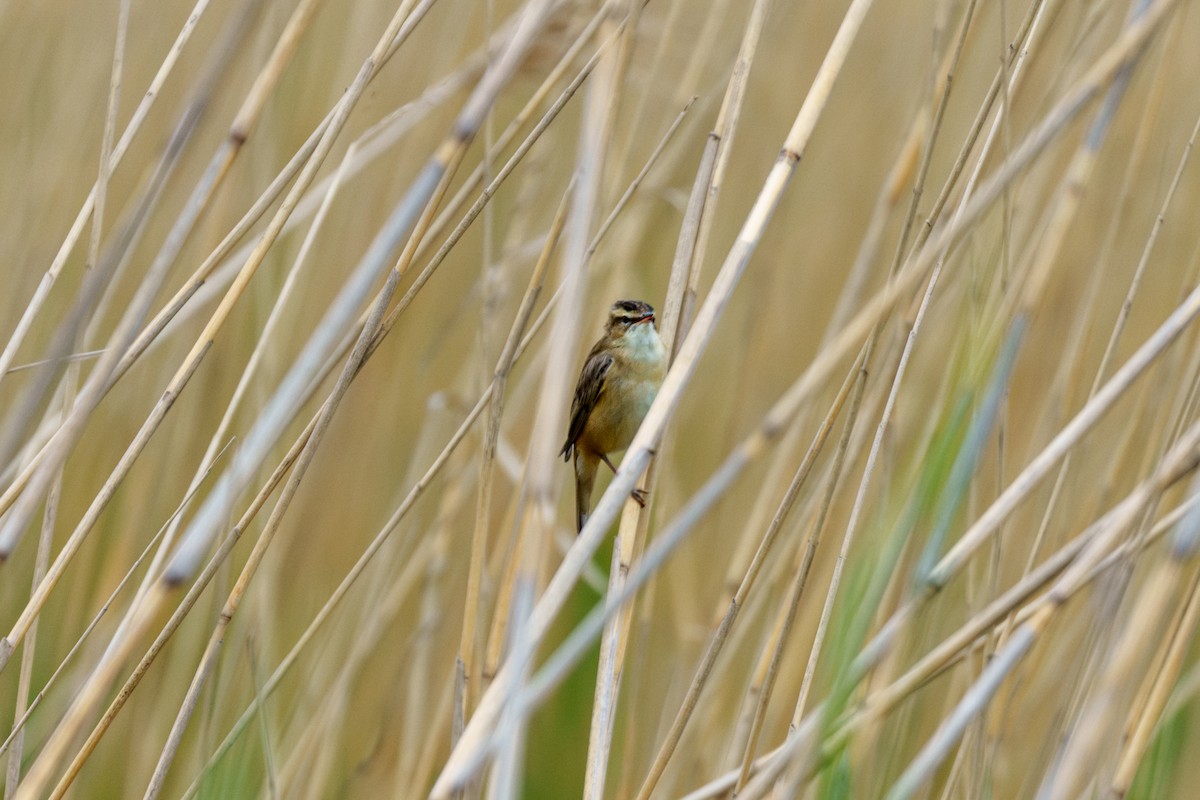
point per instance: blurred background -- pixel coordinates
(366, 708)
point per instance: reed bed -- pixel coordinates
(294, 298)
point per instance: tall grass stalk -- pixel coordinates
(294, 296)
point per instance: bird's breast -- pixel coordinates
(630, 387)
(619, 412)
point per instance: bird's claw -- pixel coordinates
(639, 496)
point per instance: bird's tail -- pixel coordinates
(585, 478)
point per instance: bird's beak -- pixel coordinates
(649, 317)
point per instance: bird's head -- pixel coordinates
(626, 315)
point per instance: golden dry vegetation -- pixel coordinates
(294, 294)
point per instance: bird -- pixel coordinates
(618, 382)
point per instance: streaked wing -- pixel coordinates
(587, 394)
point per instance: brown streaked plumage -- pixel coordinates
(617, 384)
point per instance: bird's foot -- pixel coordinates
(639, 496)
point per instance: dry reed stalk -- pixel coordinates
(24, 706)
(538, 488)
(1089, 414)
(898, 176)
(488, 193)
(53, 753)
(134, 627)
(480, 176)
(1105, 68)
(369, 553)
(464, 759)
(465, 665)
(626, 542)
(992, 620)
(189, 599)
(670, 23)
(1143, 262)
(239, 131)
(303, 460)
(309, 766)
(417, 562)
(1144, 718)
(976, 631)
(913, 158)
(496, 636)
(1124, 660)
(20, 501)
(772, 771)
(1109, 351)
(721, 143)
(1075, 344)
(764, 683)
(19, 724)
(1180, 462)
(490, 189)
(222, 264)
(250, 371)
(507, 583)
(34, 306)
(427, 198)
(68, 390)
(635, 518)
(283, 405)
(1007, 78)
(365, 340)
(219, 267)
(105, 372)
(316, 721)
(914, 329)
